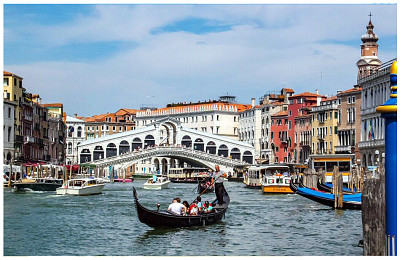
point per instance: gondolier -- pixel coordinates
(218, 180)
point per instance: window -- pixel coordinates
(339, 101)
(336, 114)
(113, 128)
(15, 82)
(335, 129)
(5, 81)
(353, 99)
(330, 115)
(9, 112)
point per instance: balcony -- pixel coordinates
(321, 137)
(27, 118)
(29, 139)
(343, 149)
(284, 140)
(371, 144)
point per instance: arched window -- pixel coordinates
(111, 150)
(69, 148)
(98, 153)
(186, 141)
(211, 148)
(85, 156)
(198, 144)
(136, 143)
(223, 150)
(79, 132)
(248, 157)
(149, 141)
(123, 147)
(235, 154)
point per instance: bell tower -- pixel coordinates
(369, 62)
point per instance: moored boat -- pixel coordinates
(327, 187)
(164, 218)
(276, 183)
(81, 187)
(158, 183)
(351, 201)
(255, 174)
(39, 184)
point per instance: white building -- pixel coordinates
(8, 130)
(75, 135)
(214, 117)
(374, 78)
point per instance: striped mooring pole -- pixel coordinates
(389, 112)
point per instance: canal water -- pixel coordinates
(42, 223)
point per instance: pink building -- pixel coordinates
(302, 135)
(296, 103)
(279, 136)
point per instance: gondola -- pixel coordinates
(352, 201)
(164, 218)
(204, 187)
(327, 187)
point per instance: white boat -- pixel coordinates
(81, 187)
(160, 183)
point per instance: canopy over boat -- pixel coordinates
(164, 218)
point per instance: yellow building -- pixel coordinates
(325, 126)
(13, 91)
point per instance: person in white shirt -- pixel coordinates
(218, 179)
(177, 207)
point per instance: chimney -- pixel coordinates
(319, 99)
(75, 115)
(253, 102)
(338, 91)
(317, 91)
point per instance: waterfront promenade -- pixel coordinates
(38, 224)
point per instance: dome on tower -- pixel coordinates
(370, 36)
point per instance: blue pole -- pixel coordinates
(389, 112)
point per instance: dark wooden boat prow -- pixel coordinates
(164, 218)
(350, 201)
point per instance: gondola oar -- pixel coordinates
(212, 182)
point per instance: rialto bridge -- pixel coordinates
(168, 145)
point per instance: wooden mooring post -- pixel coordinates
(337, 187)
(373, 214)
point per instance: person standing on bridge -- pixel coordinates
(218, 180)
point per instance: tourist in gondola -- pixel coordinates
(187, 208)
(199, 205)
(218, 180)
(194, 209)
(207, 207)
(176, 207)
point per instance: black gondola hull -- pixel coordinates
(37, 186)
(155, 218)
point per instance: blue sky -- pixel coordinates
(99, 58)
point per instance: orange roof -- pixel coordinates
(288, 90)
(281, 113)
(307, 94)
(53, 105)
(331, 98)
(359, 89)
(124, 111)
(6, 73)
(277, 103)
(239, 107)
(302, 116)
(98, 118)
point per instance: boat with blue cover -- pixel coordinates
(327, 187)
(350, 201)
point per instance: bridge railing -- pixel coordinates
(143, 152)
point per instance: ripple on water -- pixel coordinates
(107, 224)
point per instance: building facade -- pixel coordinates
(325, 126)
(349, 122)
(302, 135)
(374, 79)
(75, 135)
(279, 137)
(8, 130)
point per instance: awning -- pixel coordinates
(74, 167)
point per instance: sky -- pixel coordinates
(99, 58)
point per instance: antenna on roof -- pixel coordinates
(370, 16)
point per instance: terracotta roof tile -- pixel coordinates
(288, 90)
(6, 73)
(307, 94)
(281, 113)
(53, 105)
(359, 89)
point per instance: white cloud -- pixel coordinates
(284, 44)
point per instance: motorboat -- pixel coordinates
(276, 183)
(81, 187)
(256, 173)
(157, 182)
(38, 184)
